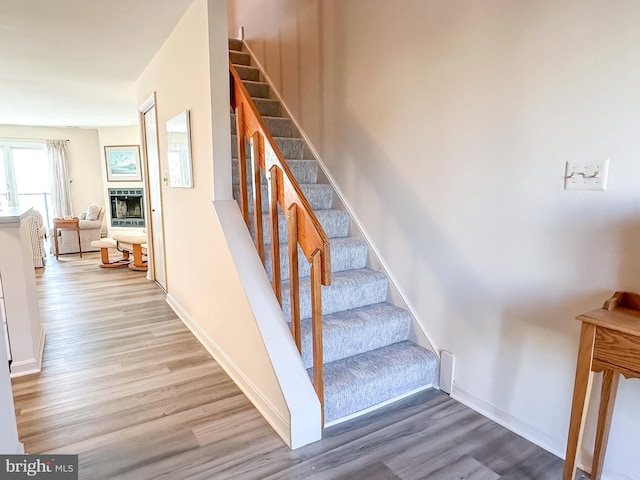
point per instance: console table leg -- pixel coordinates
(610, 381)
(79, 243)
(581, 390)
(55, 240)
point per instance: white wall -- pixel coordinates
(448, 125)
(190, 72)
(83, 157)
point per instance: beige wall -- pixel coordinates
(447, 125)
(203, 284)
(285, 36)
(83, 157)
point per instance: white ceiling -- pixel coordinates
(75, 62)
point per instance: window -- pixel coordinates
(24, 177)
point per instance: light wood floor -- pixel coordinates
(127, 387)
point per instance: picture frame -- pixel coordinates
(123, 163)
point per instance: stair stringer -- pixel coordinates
(303, 425)
(397, 296)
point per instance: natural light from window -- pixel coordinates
(24, 177)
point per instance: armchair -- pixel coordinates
(37, 232)
(90, 229)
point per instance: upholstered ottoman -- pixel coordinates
(104, 245)
(133, 243)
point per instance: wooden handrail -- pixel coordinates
(303, 227)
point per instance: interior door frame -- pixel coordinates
(147, 105)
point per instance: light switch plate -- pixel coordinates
(586, 175)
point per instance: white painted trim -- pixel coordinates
(277, 421)
(378, 406)
(32, 365)
(541, 438)
(148, 104)
(349, 208)
(20, 449)
(447, 371)
(531, 433)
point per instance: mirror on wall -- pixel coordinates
(179, 151)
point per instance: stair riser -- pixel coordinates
(277, 126)
(239, 58)
(304, 171)
(345, 338)
(268, 108)
(343, 258)
(235, 45)
(248, 73)
(368, 291)
(291, 148)
(334, 222)
(257, 90)
(348, 393)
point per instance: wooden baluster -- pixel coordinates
(256, 162)
(294, 282)
(316, 328)
(242, 163)
(275, 235)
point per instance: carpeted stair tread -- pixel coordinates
(291, 148)
(277, 126)
(348, 290)
(257, 89)
(304, 171)
(347, 253)
(319, 195)
(268, 107)
(356, 331)
(362, 381)
(239, 58)
(248, 73)
(334, 222)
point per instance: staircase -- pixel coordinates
(368, 358)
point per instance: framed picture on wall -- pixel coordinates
(123, 163)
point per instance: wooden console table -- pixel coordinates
(609, 343)
(66, 224)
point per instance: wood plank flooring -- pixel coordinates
(127, 387)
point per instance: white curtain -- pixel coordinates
(59, 178)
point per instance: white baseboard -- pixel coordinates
(533, 434)
(271, 415)
(32, 365)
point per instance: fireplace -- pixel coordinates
(127, 207)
